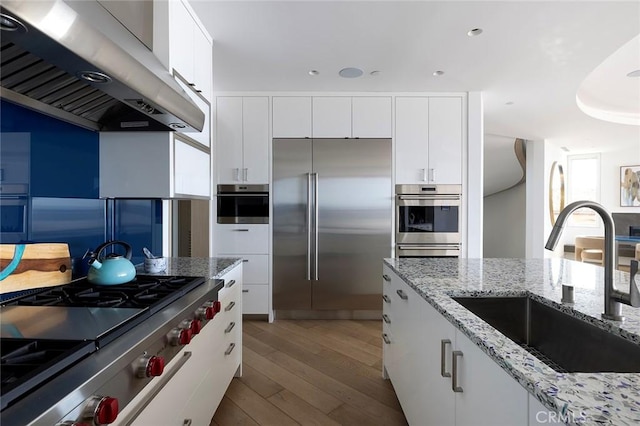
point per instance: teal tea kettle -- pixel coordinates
(113, 268)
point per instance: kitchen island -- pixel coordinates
(573, 398)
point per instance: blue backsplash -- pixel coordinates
(61, 166)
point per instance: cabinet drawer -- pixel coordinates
(255, 299)
(255, 268)
(242, 239)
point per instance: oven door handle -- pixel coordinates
(428, 247)
(161, 384)
(245, 194)
(429, 197)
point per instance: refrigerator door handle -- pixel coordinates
(308, 277)
(315, 225)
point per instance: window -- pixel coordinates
(583, 174)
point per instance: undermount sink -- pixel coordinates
(561, 341)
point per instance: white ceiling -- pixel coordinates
(534, 54)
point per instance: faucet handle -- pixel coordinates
(634, 294)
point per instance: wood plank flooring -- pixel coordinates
(312, 372)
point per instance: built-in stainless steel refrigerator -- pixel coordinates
(332, 226)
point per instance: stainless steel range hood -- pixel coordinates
(86, 68)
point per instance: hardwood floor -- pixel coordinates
(320, 372)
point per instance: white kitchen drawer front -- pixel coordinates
(255, 268)
(242, 239)
(255, 299)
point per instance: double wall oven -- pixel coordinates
(428, 220)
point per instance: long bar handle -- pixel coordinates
(402, 295)
(230, 327)
(309, 226)
(443, 356)
(386, 298)
(447, 197)
(230, 306)
(386, 277)
(386, 319)
(386, 338)
(161, 384)
(454, 373)
(230, 349)
(230, 284)
(424, 175)
(245, 174)
(315, 206)
(432, 175)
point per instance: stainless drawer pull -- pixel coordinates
(443, 354)
(244, 290)
(386, 298)
(245, 260)
(187, 422)
(402, 295)
(230, 327)
(230, 306)
(454, 380)
(241, 230)
(386, 338)
(386, 319)
(386, 277)
(230, 349)
(230, 284)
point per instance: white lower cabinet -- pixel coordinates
(419, 359)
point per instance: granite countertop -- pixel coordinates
(209, 267)
(583, 398)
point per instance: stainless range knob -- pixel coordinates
(100, 410)
(150, 366)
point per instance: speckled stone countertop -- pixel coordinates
(209, 267)
(582, 398)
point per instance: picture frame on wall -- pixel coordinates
(630, 186)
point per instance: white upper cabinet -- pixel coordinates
(351, 117)
(186, 47)
(291, 116)
(152, 165)
(371, 117)
(331, 117)
(242, 135)
(429, 140)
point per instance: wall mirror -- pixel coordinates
(556, 191)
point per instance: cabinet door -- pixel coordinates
(371, 117)
(485, 388)
(181, 40)
(255, 141)
(202, 63)
(229, 139)
(445, 140)
(191, 170)
(412, 139)
(292, 117)
(331, 117)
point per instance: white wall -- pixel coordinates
(505, 223)
(535, 200)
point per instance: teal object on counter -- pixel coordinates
(113, 269)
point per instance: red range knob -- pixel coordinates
(196, 326)
(210, 312)
(155, 366)
(106, 411)
(185, 336)
(217, 306)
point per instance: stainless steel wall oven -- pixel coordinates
(243, 203)
(428, 220)
(14, 213)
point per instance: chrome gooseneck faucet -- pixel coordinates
(612, 297)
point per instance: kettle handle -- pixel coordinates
(109, 243)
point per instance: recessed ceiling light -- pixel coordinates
(438, 73)
(474, 32)
(374, 73)
(314, 72)
(635, 73)
(350, 72)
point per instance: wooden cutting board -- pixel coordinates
(27, 266)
